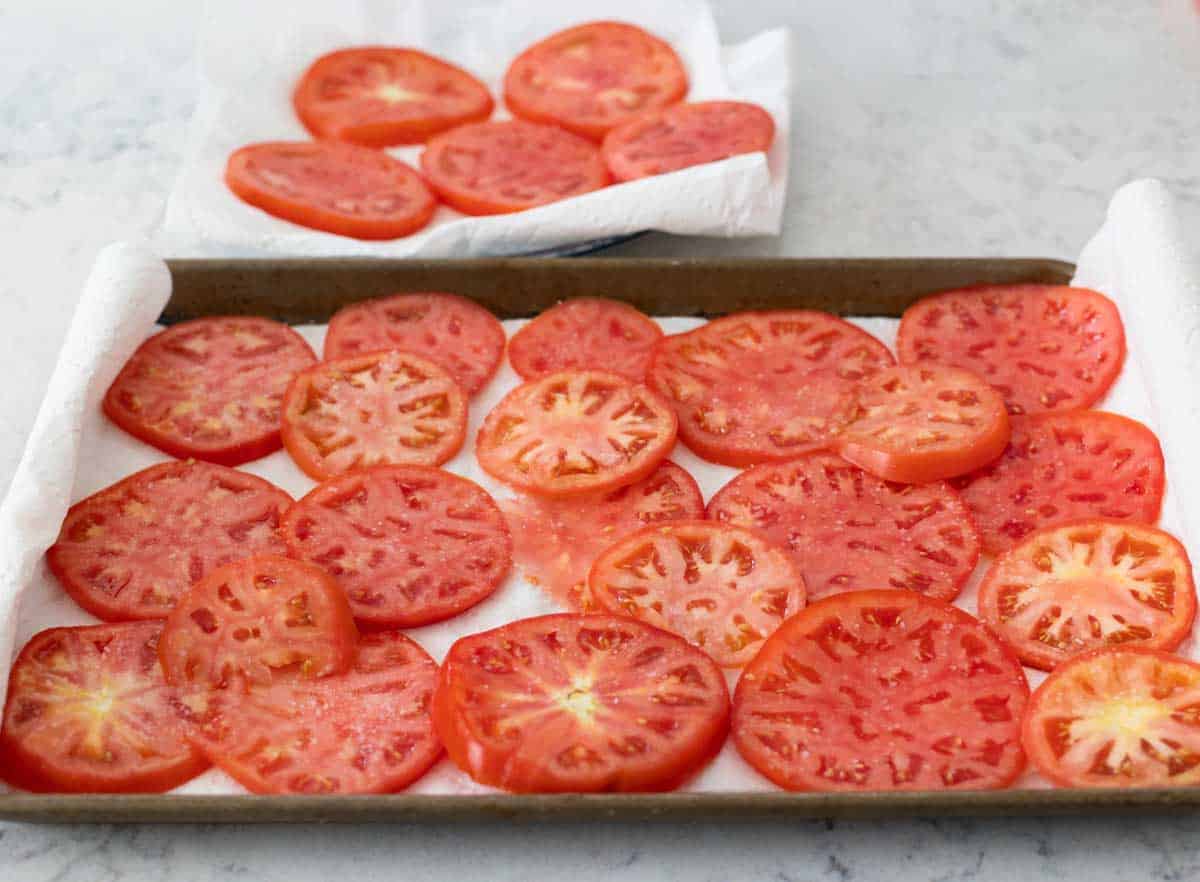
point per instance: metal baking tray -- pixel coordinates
(311, 290)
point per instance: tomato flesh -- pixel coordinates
(380, 96)
(585, 333)
(456, 334)
(848, 530)
(571, 703)
(385, 407)
(410, 545)
(1063, 590)
(764, 386)
(882, 690)
(210, 388)
(88, 711)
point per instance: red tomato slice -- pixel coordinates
(1063, 590)
(725, 589)
(585, 333)
(210, 388)
(129, 551)
(847, 530)
(1063, 467)
(555, 541)
(760, 386)
(570, 703)
(926, 423)
(380, 96)
(456, 334)
(410, 545)
(367, 730)
(383, 407)
(593, 77)
(1119, 716)
(882, 690)
(88, 711)
(255, 618)
(502, 167)
(686, 135)
(575, 432)
(1044, 347)
(336, 188)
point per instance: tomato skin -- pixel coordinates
(61, 667)
(360, 172)
(890, 444)
(1120, 675)
(373, 126)
(534, 669)
(1104, 543)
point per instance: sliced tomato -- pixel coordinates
(1063, 590)
(726, 589)
(332, 187)
(585, 333)
(575, 432)
(761, 386)
(380, 96)
(256, 618)
(88, 711)
(593, 77)
(555, 541)
(456, 334)
(367, 730)
(383, 407)
(129, 551)
(209, 388)
(685, 135)
(925, 423)
(410, 545)
(848, 530)
(882, 690)
(571, 703)
(1061, 467)
(502, 167)
(1044, 347)
(1118, 716)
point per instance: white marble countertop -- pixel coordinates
(922, 127)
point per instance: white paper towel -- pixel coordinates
(253, 53)
(1137, 258)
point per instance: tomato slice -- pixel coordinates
(367, 730)
(848, 530)
(575, 432)
(383, 407)
(129, 551)
(1063, 590)
(209, 388)
(332, 187)
(256, 618)
(502, 167)
(1118, 716)
(1044, 347)
(724, 588)
(1062, 467)
(380, 96)
(571, 703)
(593, 77)
(762, 386)
(410, 545)
(686, 135)
(925, 423)
(88, 711)
(585, 333)
(882, 690)
(555, 541)
(456, 334)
